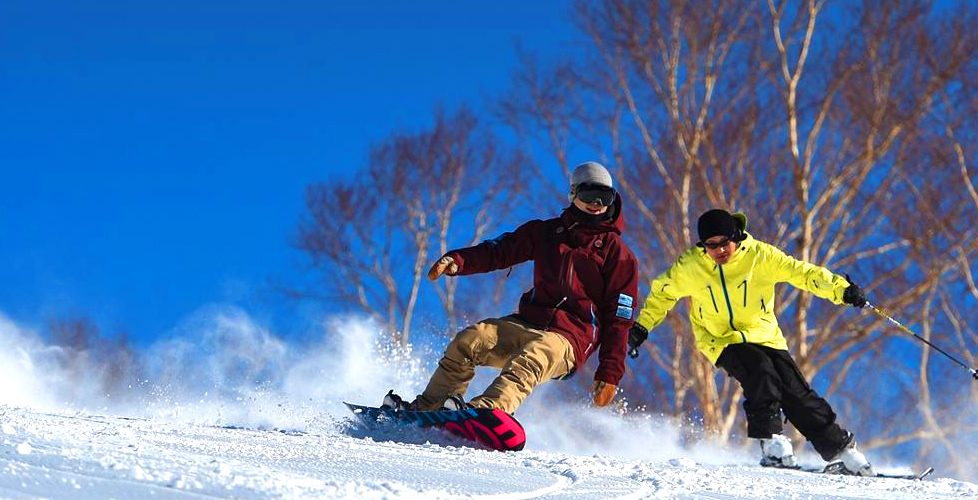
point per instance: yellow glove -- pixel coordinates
(445, 265)
(603, 393)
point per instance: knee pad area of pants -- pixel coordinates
(525, 368)
(468, 345)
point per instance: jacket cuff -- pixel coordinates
(603, 376)
(458, 260)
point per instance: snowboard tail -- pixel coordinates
(492, 428)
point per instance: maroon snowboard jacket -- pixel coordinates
(584, 282)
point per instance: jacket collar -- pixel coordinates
(615, 224)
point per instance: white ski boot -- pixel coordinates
(850, 461)
(776, 451)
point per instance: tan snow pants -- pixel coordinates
(526, 355)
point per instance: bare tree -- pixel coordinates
(372, 238)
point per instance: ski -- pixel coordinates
(836, 468)
(919, 476)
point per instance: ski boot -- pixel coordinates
(776, 451)
(850, 461)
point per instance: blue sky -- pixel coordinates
(153, 155)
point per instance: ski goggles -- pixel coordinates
(594, 193)
(719, 244)
(736, 237)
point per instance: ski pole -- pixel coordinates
(974, 372)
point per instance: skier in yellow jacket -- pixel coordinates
(730, 277)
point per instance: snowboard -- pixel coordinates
(493, 428)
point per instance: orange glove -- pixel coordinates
(603, 393)
(445, 265)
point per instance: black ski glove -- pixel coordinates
(854, 295)
(636, 335)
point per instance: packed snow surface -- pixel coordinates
(229, 410)
(83, 456)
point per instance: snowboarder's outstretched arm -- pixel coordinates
(506, 250)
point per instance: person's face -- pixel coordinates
(720, 248)
(593, 208)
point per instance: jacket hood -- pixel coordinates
(741, 220)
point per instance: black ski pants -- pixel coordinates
(773, 383)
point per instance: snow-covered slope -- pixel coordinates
(226, 409)
(84, 456)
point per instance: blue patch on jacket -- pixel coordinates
(624, 312)
(625, 300)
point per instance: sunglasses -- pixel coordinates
(719, 244)
(589, 193)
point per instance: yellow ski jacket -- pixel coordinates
(735, 302)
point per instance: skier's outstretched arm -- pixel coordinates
(664, 291)
(810, 277)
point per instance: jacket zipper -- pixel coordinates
(570, 273)
(564, 268)
(723, 283)
(554, 313)
(565, 276)
(567, 264)
(744, 284)
(594, 332)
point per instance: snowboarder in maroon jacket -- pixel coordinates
(582, 302)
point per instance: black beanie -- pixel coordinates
(716, 222)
